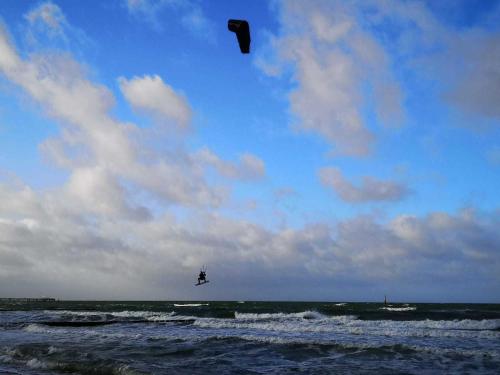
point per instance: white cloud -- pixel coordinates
(474, 80)
(190, 13)
(249, 168)
(371, 188)
(463, 60)
(332, 58)
(47, 27)
(152, 95)
(197, 23)
(95, 190)
(253, 167)
(49, 17)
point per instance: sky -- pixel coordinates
(354, 153)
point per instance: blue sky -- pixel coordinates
(358, 145)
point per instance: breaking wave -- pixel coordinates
(112, 315)
(35, 328)
(408, 308)
(272, 316)
(304, 321)
(314, 322)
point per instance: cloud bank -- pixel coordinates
(49, 247)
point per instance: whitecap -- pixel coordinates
(36, 363)
(408, 308)
(53, 349)
(34, 328)
(278, 322)
(104, 315)
(309, 314)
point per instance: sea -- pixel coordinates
(245, 337)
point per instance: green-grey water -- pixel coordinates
(96, 337)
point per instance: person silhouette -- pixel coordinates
(201, 277)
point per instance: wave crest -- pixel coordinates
(309, 314)
(408, 308)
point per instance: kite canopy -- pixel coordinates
(242, 30)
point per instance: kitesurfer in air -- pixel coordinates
(202, 277)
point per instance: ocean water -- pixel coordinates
(248, 338)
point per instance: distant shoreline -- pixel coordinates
(51, 299)
(42, 299)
